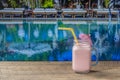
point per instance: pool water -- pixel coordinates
(42, 41)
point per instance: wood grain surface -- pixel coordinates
(108, 70)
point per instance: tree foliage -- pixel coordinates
(47, 3)
(13, 3)
(31, 3)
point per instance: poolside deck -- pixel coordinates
(57, 71)
(52, 13)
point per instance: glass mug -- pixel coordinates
(81, 57)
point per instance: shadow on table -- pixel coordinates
(106, 70)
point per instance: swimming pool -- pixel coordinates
(40, 40)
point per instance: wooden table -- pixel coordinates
(56, 71)
(74, 12)
(51, 11)
(11, 13)
(105, 12)
(79, 12)
(39, 13)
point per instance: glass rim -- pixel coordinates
(82, 42)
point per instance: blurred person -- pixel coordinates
(85, 3)
(71, 4)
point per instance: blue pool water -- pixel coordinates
(42, 41)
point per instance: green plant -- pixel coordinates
(12, 3)
(47, 4)
(106, 3)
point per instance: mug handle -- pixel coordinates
(97, 56)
